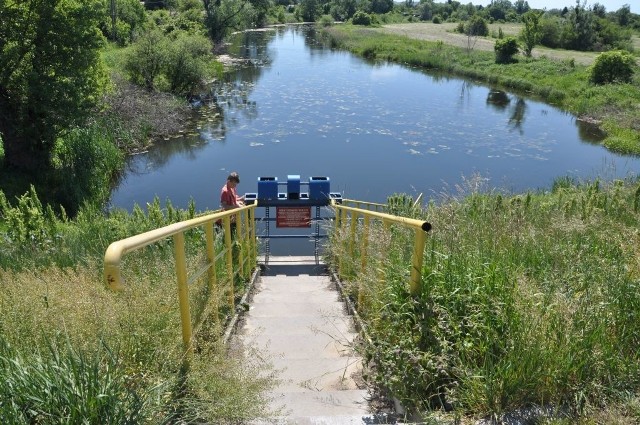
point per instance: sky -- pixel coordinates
(610, 5)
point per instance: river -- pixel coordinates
(374, 129)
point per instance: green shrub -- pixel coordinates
(615, 66)
(28, 222)
(147, 58)
(361, 18)
(477, 26)
(85, 163)
(325, 20)
(505, 49)
(437, 19)
(187, 60)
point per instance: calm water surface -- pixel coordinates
(373, 129)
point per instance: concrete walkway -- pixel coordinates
(297, 319)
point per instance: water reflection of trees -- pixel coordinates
(253, 46)
(589, 132)
(498, 99)
(465, 91)
(501, 101)
(229, 97)
(517, 115)
(162, 151)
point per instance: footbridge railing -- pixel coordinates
(237, 223)
(354, 219)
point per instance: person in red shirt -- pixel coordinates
(229, 198)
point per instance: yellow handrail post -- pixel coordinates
(229, 247)
(387, 229)
(240, 239)
(363, 259)
(365, 243)
(252, 236)
(343, 220)
(416, 261)
(211, 273)
(112, 273)
(354, 221)
(183, 292)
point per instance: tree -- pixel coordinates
(51, 74)
(223, 15)
(521, 7)
(147, 58)
(187, 62)
(476, 27)
(310, 10)
(623, 15)
(580, 33)
(505, 49)
(531, 31)
(125, 18)
(381, 6)
(599, 10)
(498, 9)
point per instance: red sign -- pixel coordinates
(293, 217)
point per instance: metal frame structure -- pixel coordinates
(268, 197)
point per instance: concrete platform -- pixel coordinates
(297, 320)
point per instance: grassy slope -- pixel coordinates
(560, 82)
(526, 300)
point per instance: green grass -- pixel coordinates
(526, 300)
(114, 57)
(111, 357)
(562, 83)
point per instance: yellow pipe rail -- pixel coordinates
(420, 237)
(245, 231)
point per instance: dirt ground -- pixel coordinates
(446, 33)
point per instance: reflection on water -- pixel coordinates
(298, 107)
(589, 132)
(498, 99)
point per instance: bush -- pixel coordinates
(326, 20)
(437, 19)
(361, 18)
(147, 58)
(505, 49)
(85, 162)
(187, 60)
(477, 26)
(615, 66)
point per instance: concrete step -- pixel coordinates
(297, 321)
(322, 403)
(328, 420)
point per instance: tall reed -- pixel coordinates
(527, 299)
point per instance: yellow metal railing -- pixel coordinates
(245, 235)
(347, 214)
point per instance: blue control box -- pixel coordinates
(267, 188)
(319, 188)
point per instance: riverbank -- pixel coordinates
(563, 83)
